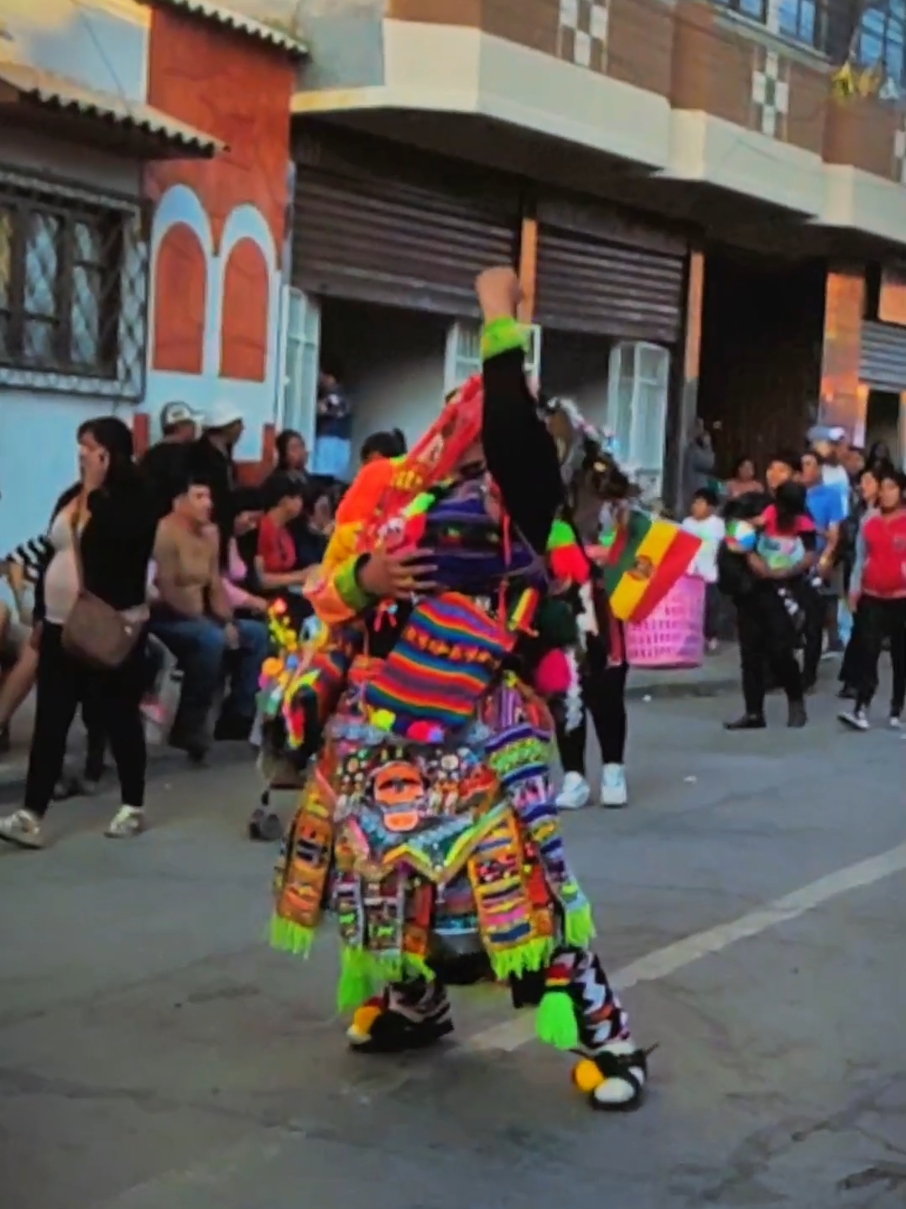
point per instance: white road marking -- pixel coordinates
(666, 961)
(216, 1169)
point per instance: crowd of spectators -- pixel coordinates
(194, 560)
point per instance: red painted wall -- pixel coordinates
(237, 90)
(243, 348)
(180, 299)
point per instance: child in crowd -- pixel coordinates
(782, 555)
(704, 522)
(878, 599)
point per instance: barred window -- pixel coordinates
(72, 290)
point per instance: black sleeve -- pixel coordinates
(810, 542)
(519, 451)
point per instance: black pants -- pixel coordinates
(110, 700)
(849, 668)
(879, 619)
(817, 607)
(713, 610)
(604, 697)
(767, 640)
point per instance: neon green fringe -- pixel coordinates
(533, 955)
(580, 926)
(362, 974)
(357, 982)
(555, 1021)
(290, 937)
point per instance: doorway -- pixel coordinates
(882, 423)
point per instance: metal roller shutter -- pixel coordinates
(591, 285)
(608, 273)
(883, 364)
(374, 233)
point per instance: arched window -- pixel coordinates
(180, 302)
(245, 321)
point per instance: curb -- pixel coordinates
(665, 690)
(12, 775)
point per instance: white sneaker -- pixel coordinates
(22, 828)
(856, 719)
(895, 722)
(127, 821)
(613, 785)
(574, 793)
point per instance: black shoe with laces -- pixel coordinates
(747, 722)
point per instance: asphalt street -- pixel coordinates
(155, 1055)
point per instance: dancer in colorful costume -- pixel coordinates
(428, 825)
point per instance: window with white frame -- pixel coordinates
(637, 390)
(73, 281)
(303, 349)
(463, 354)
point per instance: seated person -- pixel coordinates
(18, 666)
(239, 575)
(23, 570)
(192, 615)
(248, 510)
(277, 567)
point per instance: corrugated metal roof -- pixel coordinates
(239, 22)
(56, 92)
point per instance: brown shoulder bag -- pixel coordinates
(95, 632)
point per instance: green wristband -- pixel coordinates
(346, 582)
(502, 336)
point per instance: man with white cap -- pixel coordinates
(832, 445)
(164, 463)
(212, 463)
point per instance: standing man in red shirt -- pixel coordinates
(878, 595)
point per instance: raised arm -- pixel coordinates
(519, 451)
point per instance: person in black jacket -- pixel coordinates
(164, 464)
(211, 462)
(102, 535)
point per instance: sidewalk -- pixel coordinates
(719, 674)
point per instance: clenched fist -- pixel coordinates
(499, 292)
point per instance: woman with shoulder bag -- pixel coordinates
(90, 620)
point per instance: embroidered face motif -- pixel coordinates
(399, 792)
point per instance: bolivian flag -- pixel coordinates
(642, 560)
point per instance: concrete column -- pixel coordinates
(683, 406)
(528, 268)
(843, 402)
